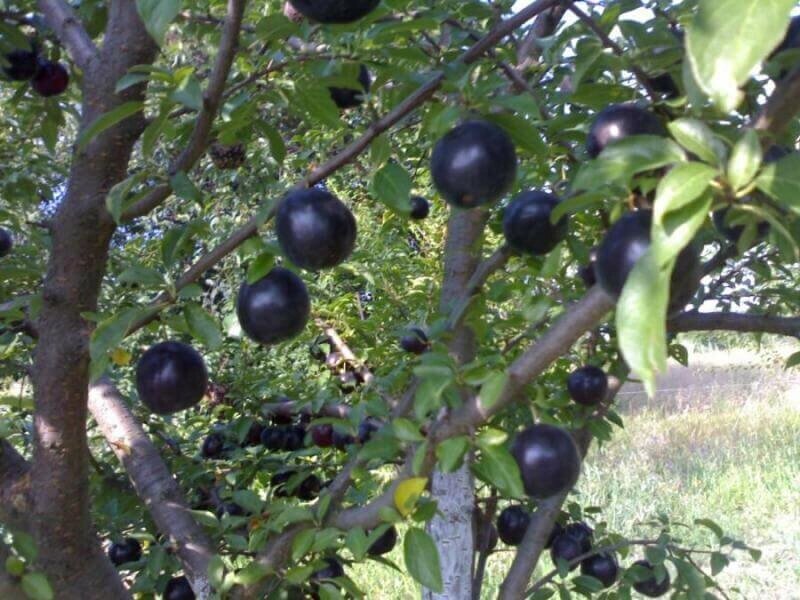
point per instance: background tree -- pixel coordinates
(148, 145)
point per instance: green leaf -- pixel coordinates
(216, 571)
(248, 500)
(498, 468)
(576, 204)
(302, 543)
(36, 587)
(184, 188)
(392, 186)
(157, 16)
(111, 331)
(698, 139)
(745, 160)
(117, 199)
(710, 525)
(252, 573)
(15, 566)
(491, 389)
(792, 361)
(141, 275)
(260, 266)
(641, 319)
(523, 133)
(781, 181)
(189, 93)
(728, 39)
(451, 452)
(619, 162)
(315, 102)
(203, 326)
(106, 121)
(406, 431)
(422, 559)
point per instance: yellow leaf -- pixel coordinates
(407, 494)
(121, 357)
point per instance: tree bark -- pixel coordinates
(69, 551)
(452, 528)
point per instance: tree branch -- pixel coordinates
(63, 20)
(745, 323)
(212, 98)
(781, 107)
(153, 483)
(350, 153)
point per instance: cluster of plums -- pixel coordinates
(568, 543)
(47, 78)
(128, 550)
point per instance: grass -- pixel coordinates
(722, 441)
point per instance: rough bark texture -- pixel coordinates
(454, 492)
(153, 483)
(69, 551)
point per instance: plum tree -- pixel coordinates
(203, 153)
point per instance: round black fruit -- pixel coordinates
(349, 97)
(626, 242)
(556, 531)
(275, 308)
(512, 524)
(602, 567)
(341, 440)
(474, 164)
(127, 551)
(282, 415)
(581, 532)
(548, 460)
(273, 438)
(253, 437)
(213, 445)
(587, 272)
(385, 543)
(231, 509)
(420, 208)
(617, 122)
(51, 79)
(333, 570)
(178, 588)
(322, 435)
(335, 11)
(294, 437)
(22, 65)
(664, 85)
(315, 229)
(651, 587)
(527, 226)
(566, 548)
(171, 376)
(278, 483)
(366, 428)
(415, 341)
(6, 242)
(309, 488)
(588, 385)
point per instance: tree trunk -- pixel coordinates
(454, 492)
(69, 551)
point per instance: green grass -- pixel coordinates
(725, 446)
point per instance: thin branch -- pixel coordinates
(496, 261)
(63, 20)
(587, 20)
(744, 323)
(153, 483)
(342, 348)
(350, 153)
(212, 98)
(782, 106)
